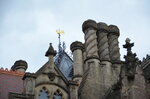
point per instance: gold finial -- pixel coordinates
(60, 31)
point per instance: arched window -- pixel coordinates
(43, 94)
(57, 95)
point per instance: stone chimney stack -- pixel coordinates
(90, 86)
(20, 66)
(114, 51)
(77, 49)
(104, 55)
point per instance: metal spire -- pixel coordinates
(59, 32)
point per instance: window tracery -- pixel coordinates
(43, 94)
(58, 94)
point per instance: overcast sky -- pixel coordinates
(28, 26)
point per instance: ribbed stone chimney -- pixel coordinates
(114, 51)
(103, 46)
(113, 43)
(89, 87)
(104, 55)
(89, 28)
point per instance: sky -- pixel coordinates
(28, 26)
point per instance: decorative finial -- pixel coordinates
(64, 46)
(127, 40)
(50, 44)
(128, 45)
(50, 51)
(130, 59)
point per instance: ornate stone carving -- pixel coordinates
(130, 60)
(103, 47)
(51, 76)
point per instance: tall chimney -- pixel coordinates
(89, 87)
(77, 49)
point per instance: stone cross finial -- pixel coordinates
(130, 59)
(128, 45)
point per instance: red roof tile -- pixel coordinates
(10, 81)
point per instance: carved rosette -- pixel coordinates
(113, 43)
(90, 28)
(103, 47)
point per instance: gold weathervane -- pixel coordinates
(60, 31)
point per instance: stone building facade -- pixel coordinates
(95, 72)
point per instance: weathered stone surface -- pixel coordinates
(113, 43)
(145, 65)
(103, 47)
(29, 83)
(77, 48)
(73, 86)
(134, 89)
(20, 66)
(77, 45)
(90, 29)
(90, 86)
(89, 24)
